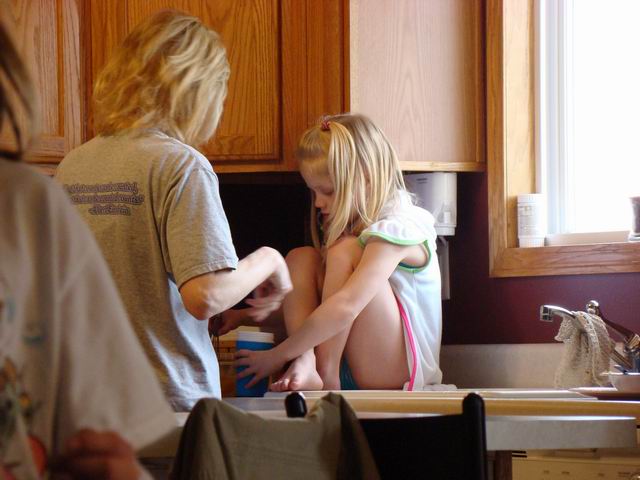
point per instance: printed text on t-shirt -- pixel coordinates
(113, 198)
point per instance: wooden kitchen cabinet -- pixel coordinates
(417, 69)
(47, 35)
(287, 68)
(274, 47)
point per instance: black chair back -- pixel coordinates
(434, 447)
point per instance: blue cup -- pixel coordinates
(250, 340)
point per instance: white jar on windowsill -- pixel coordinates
(532, 220)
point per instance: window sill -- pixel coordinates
(563, 239)
(568, 260)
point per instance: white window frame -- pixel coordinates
(553, 75)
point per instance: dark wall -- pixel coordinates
(481, 309)
(506, 310)
(266, 214)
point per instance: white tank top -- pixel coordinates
(417, 289)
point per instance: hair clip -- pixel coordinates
(324, 126)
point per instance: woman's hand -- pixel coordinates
(268, 296)
(98, 455)
(260, 364)
(227, 321)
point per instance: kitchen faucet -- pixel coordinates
(630, 360)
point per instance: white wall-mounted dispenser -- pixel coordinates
(436, 192)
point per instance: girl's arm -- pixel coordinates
(379, 260)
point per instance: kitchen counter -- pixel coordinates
(545, 402)
(516, 419)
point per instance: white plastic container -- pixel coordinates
(436, 192)
(532, 220)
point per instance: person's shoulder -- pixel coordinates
(38, 206)
(417, 214)
(23, 182)
(172, 151)
(81, 152)
(402, 222)
(142, 146)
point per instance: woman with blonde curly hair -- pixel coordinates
(153, 204)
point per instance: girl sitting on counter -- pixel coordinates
(365, 310)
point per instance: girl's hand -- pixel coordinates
(260, 364)
(100, 455)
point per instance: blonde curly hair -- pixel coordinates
(361, 164)
(169, 74)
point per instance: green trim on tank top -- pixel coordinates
(398, 241)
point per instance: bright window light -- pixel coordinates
(588, 112)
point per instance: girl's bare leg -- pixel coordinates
(374, 345)
(306, 269)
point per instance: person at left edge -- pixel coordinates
(77, 395)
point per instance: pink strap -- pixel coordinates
(412, 344)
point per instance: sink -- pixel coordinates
(523, 393)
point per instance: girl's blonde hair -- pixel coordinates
(169, 74)
(361, 164)
(17, 98)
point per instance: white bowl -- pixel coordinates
(625, 382)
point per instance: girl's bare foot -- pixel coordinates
(301, 375)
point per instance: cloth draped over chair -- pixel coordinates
(222, 442)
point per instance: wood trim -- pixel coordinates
(569, 260)
(294, 77)
(510, 161)
(418, 166)
(313, 67)
(72, 92)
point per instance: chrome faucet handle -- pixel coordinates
(631, 339)
(593, 307)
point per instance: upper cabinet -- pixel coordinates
(47, 35)
(417, 70)
(415, 67)
(287, 68)
(274, 47)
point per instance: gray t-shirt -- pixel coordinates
(153, 204)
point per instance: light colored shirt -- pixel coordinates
(68, 356)
(153, 205)
(417, 289)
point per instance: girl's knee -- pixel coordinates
(303, 257)
(346, 248)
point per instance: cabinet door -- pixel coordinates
(417, 71)
(250, 127)
(287, 69)
(47, 35)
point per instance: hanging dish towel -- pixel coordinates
(586, 352)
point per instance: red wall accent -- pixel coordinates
(481, 309)
(506, 310)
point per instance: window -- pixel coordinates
(511, 162)
(587, 107)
